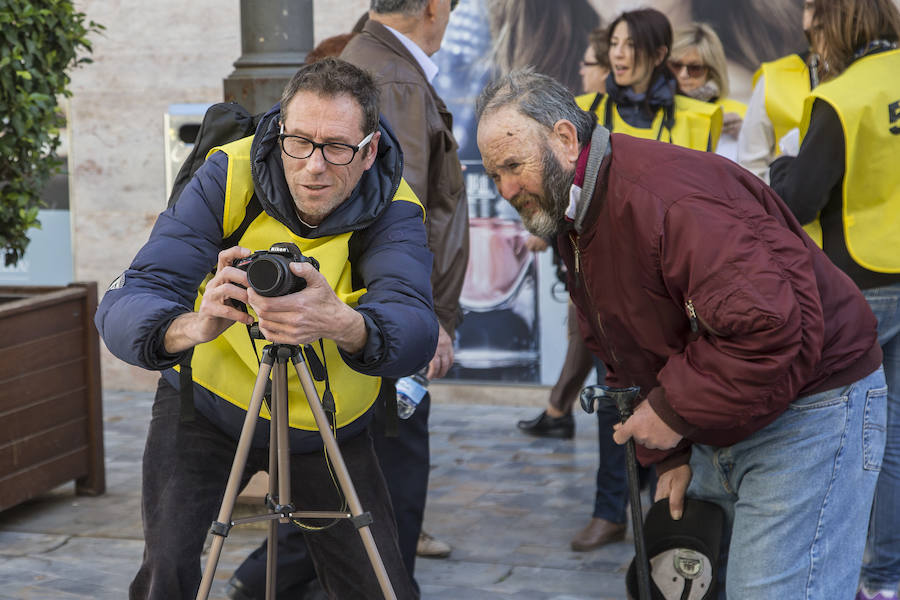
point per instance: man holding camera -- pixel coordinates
(327, 176)
(757, 359)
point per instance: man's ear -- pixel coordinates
(372, 150)
(431, 9)
(567, 136)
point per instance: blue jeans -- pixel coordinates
(797, 495)
(882, 567)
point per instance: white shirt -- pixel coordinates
(756, 142)
(431, 69)
(574, 201)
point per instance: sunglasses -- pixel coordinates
(693, 70)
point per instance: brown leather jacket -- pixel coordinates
(424, 126)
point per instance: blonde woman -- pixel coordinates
(698, 62)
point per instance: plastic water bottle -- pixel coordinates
(410, 391)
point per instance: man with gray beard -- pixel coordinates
(757, 359)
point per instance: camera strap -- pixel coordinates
(319, 370)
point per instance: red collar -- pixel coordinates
(581, 165)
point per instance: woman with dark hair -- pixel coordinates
(846, 177)
(642, 96)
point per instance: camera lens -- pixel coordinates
(266, 275)
(271, 276)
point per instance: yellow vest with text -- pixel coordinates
(866, 98)
(228, 365)
(697, 124)
(787, 86)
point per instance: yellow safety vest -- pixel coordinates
(866, 98)
(787, 86)
(227, 366)
(697, 124)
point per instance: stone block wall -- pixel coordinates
(151, 55)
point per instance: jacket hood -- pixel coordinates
(371, 196)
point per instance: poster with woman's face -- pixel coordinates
(514, 310)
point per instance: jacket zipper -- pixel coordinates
(692, 315)
(696, 320)
(578, 276)
(577, 252)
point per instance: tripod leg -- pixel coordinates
(282, 425)
(279, 468)
(272, 540)
(223, 521)
(315, 405)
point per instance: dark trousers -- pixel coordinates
(611, 497)
(185, 469)
(405, 462)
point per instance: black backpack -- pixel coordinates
(223, 123)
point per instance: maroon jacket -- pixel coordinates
(693, 281)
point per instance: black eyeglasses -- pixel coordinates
(589, 63)
(336, 153)
(694, 70)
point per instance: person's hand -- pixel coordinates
(312, 313)
(647, 429)
(535, 243)
(216, 312)
(443, 356)
(672, 485)
(731, 124)
(789, 144)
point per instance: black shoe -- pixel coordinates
(546, 426)
(238, 591)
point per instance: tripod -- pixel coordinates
(274, 360)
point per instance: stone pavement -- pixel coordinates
(509, 505)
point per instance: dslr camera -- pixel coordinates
(269, 273)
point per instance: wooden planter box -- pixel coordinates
(51, 419)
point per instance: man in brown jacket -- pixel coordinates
(395, 46)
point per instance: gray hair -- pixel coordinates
(406, 7)
(537, 96)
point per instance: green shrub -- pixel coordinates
(39, 42)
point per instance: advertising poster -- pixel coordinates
(513, 303)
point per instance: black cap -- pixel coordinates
(683, 554)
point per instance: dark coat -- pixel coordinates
(431, 166)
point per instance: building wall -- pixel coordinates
(151, 55)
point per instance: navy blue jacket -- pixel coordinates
(388, 253)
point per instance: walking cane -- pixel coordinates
(624, 399)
